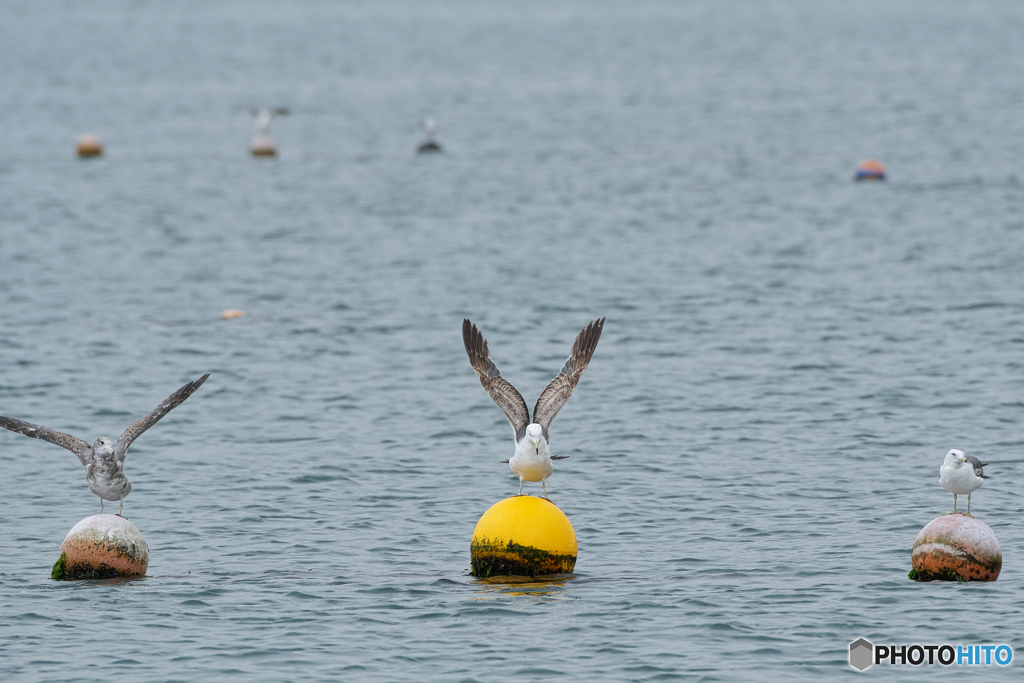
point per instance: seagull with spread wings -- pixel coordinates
(532, 459)
(104, 460)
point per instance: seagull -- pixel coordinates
(429, 145)
(960, 474)
(265, 116)
(532, 459)
(104, 460)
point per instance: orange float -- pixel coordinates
(89, 146)
(956, 547)
(102, 546)
(869, 169)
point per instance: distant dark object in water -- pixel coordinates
(869, 169)
(427, 147)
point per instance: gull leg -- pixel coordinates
(120, 509)
(969, 505)
(954, 502)
(520, 486)
(544, 486)
(101, 506)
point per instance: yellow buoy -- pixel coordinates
(89, 146)
(523, 536)
(232, 313)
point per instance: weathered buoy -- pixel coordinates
(103, 546)
(869, 169)
(263, 146)
(232, 313)
(523, 536)
(430, 145)
(89, 146)
(956, 547)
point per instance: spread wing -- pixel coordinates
(558, 391)
(977, 464)
(504, 394)
(142, 424)
(72, 443)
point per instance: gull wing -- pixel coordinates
(558, 391)
(977, 464)
(501, 390)
(72, 443)
(142, 424)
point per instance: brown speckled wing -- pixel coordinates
(501, 390)
(72, 443)
(558, 391)
(142, 424)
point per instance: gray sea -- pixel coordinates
(787, 356)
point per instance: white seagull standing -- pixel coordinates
(104, 460)
(532, 459)
(961, 474)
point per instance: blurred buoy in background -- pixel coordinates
(523, 536)
(89, 145)
(232, 313)
(103, 546)
(869, 169)
(956, 547)
(429, 145)
(262, 145)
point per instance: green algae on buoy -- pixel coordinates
(523, 536)
(102, 546)
(89, 146)
(956, 547)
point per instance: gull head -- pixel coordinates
(955, 457)
(534, 433)
(103, 446)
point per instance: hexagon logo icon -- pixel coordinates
(862, 654)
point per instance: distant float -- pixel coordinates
(89, 145)
(869, 169)
(262, 145)
(429, 145)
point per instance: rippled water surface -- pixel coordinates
(787, 357)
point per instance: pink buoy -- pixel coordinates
(263, 146)
(101, 547)
(956, 547)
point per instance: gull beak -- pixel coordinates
(536, 446)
